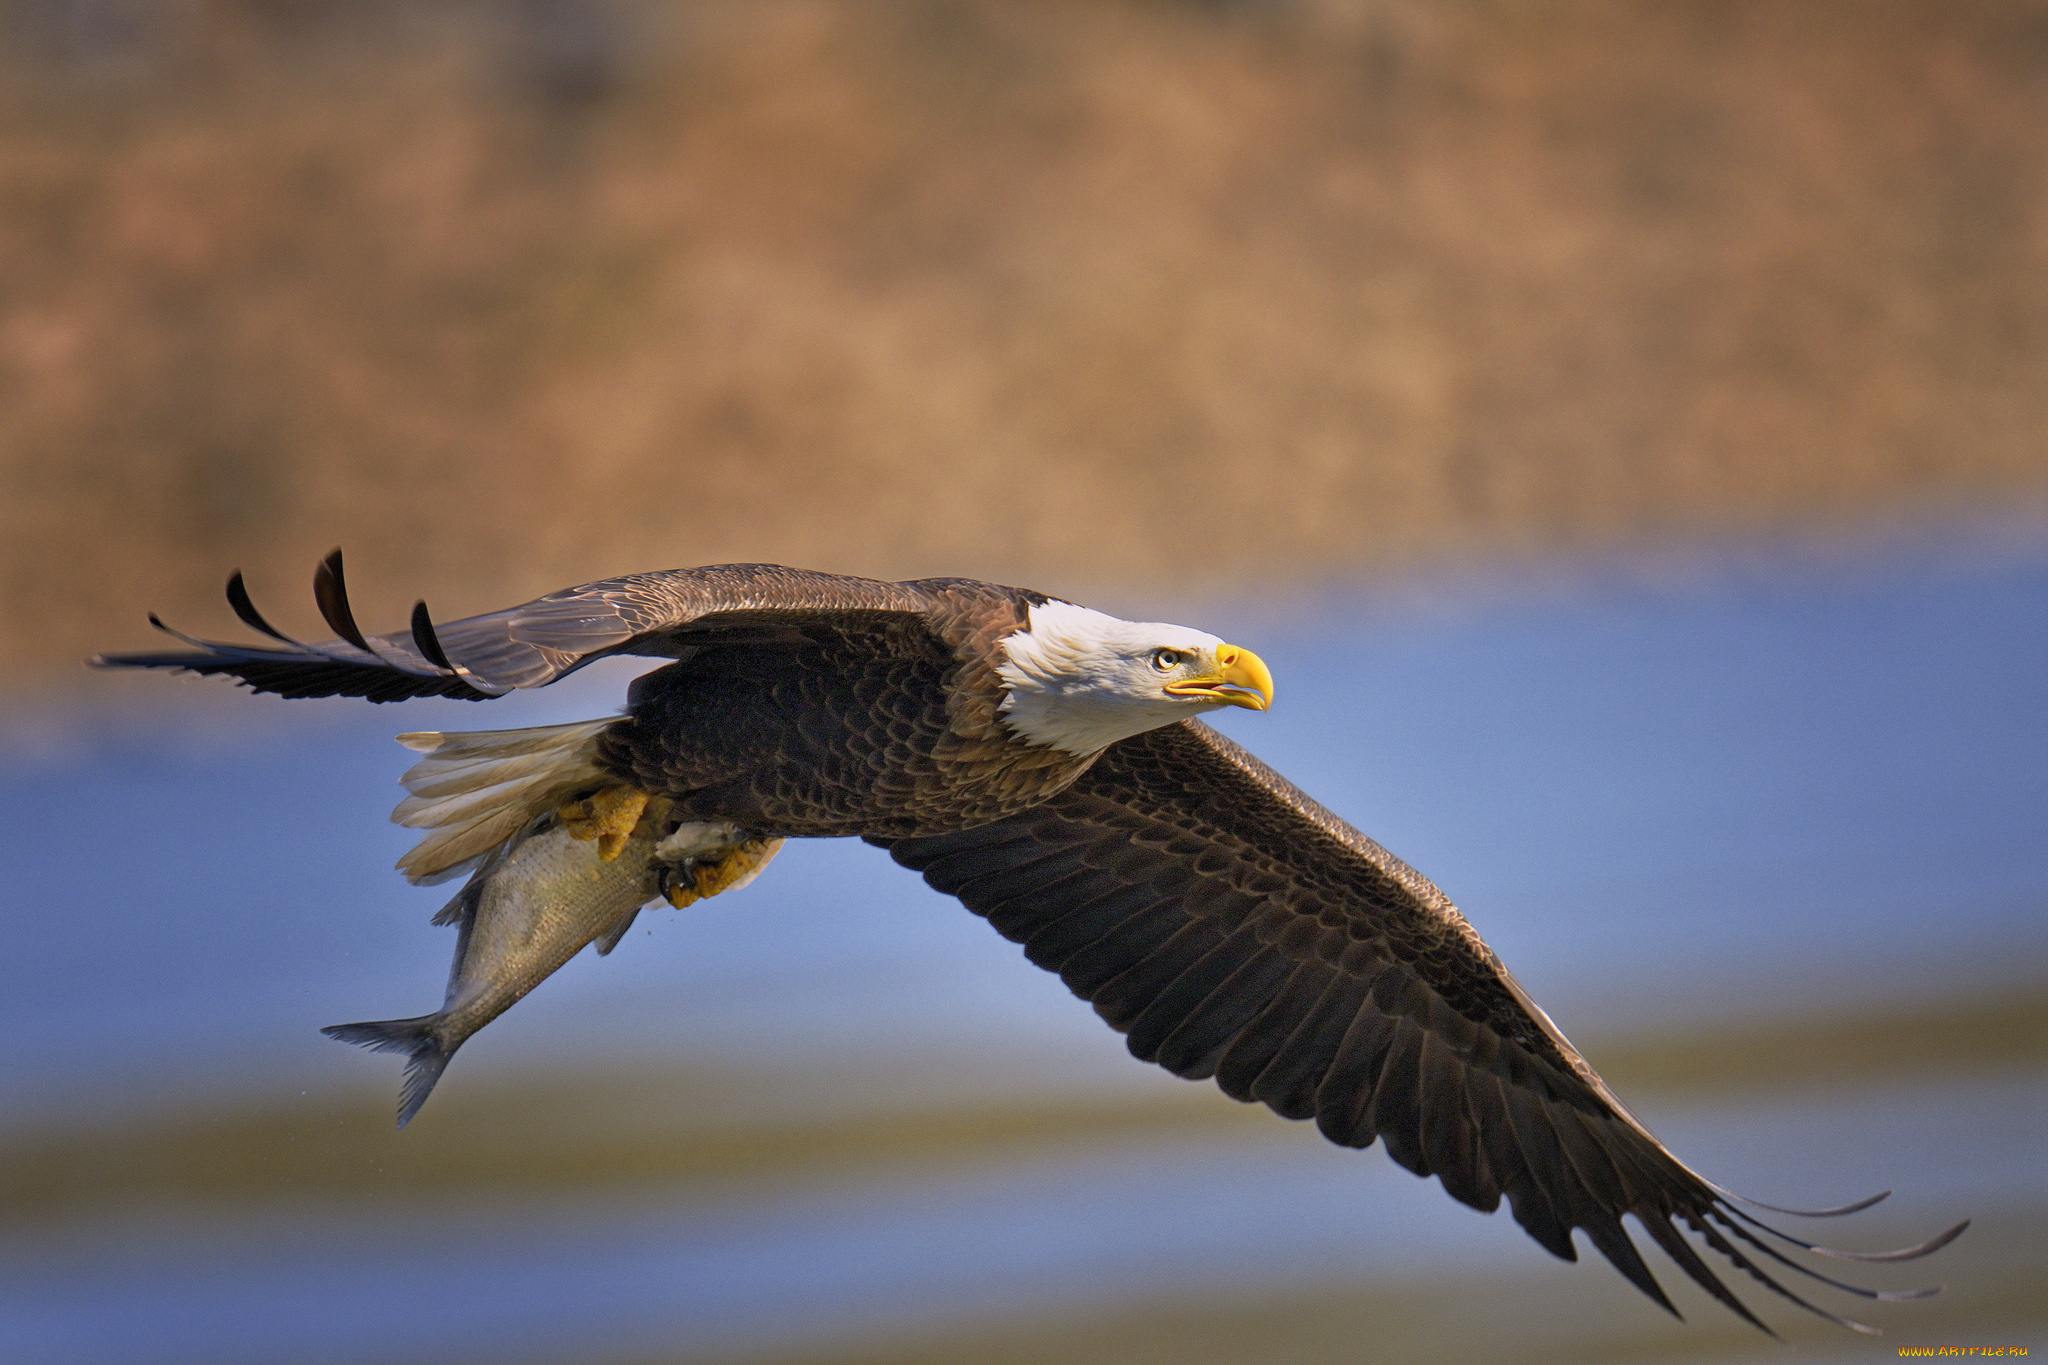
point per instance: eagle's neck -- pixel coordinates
(1060, 692)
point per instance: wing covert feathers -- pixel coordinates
(525, 646)
(1234, 929)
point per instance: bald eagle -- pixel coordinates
(1042, 762)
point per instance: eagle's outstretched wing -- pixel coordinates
(525, 646)
(1234, 928)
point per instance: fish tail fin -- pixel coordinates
(418, 1039)
(477, 789)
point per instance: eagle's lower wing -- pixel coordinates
(661, 614)
(1234, 928)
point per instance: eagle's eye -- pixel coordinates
(1165, 660)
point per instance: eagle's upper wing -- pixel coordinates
(1234, 928)
(524, 646)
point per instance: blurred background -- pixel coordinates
(1621, 425)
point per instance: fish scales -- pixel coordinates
(537, 910)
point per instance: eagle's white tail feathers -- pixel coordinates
(476, 789)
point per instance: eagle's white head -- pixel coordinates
(1079, 681)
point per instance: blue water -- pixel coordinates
(1763, 787)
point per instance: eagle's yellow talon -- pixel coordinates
(737, 864)
(609, 816)
(727, 868)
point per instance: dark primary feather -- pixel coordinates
(424, 636)
(529, 645)
(330, 591)
(245, 607)
(1233, 928)
(301, 671)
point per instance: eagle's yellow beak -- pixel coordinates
(1241, 679)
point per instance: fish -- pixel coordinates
(530, 906)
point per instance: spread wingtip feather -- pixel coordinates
(330, 591)
(426, 639)
(245, 608)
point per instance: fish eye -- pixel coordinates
(1165, 659)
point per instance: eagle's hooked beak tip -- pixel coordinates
(1241, 679)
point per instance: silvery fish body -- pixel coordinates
(528, 909)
